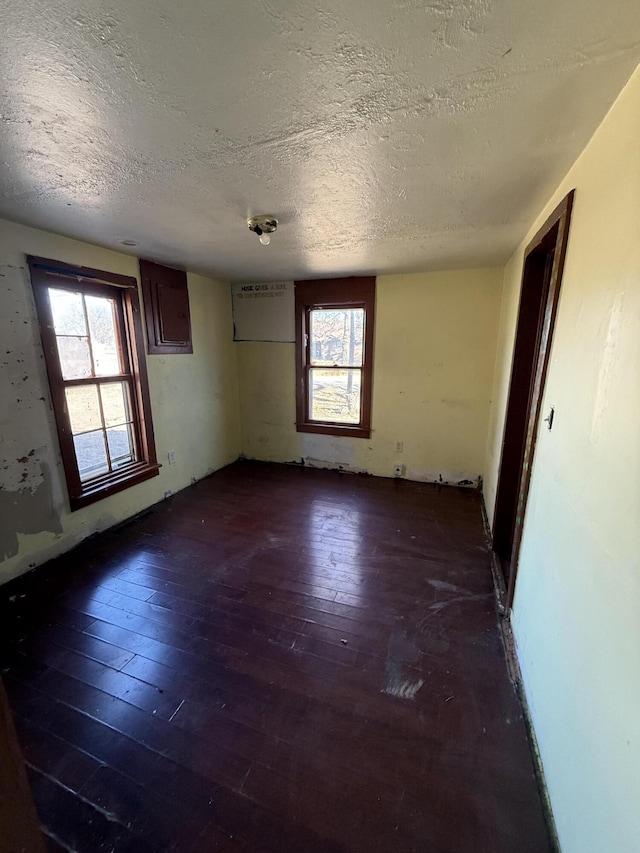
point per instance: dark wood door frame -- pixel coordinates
(541, 278)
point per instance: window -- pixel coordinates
(93, 348)
(334, 355)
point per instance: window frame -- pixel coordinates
(45, 274)
(333, 293)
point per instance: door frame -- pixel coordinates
(550, 246)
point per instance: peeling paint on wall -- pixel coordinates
(27, 510)
(445, 477)
(22, 473)
(27, 504)
(35, 521)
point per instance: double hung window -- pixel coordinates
(334, 345)
(92, 338)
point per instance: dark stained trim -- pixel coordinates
(339, 293)
(549, 246)
(153, 277)
(64, 269)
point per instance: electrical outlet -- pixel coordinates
(398, 471)
(171, 456)
(399, 446)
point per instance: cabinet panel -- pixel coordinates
(166, 308)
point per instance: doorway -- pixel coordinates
(541, 278)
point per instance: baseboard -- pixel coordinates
(499, 586)
(514, 667)
(515, 676)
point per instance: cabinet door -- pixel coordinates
(166, 308)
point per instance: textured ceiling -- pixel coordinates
(385, 135)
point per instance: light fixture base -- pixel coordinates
(263, 225)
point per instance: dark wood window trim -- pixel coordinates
(333, 293)
(544, 259)
(168, 326)
(47, 273)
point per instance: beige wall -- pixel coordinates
(194, 401)
(576, 615)
(433, 364)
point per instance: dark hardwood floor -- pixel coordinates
(276, 659)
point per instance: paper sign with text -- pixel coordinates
(264, 312)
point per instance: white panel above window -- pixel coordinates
(264, 312)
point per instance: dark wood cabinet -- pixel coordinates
(166, 308)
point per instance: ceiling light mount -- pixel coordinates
(264, 226)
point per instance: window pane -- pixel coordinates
(75, 358)
(83, 407)
(67, 311)
(115, 403)
(91, 454)
(334, 395)
(104, 340)
(120, 443)
(336, 336)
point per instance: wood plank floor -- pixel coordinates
(276, 659)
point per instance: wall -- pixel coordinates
(576, 615)
(433, 365)
(194, 401)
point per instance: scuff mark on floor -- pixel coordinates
(401, 650)
(403, 688)
(439, 605)
(425, 625)
(443, 585)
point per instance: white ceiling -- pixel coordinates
(385, 135)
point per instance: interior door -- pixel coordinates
(541, 278)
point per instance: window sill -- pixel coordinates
(115, 483)
(355, 431)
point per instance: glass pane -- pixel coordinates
(75, 358)
(91, 454)
(334, 395)
(104, 340)
(336, 336)
(84, 409)
(120, 445)
(68, 313)
(115, 403)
